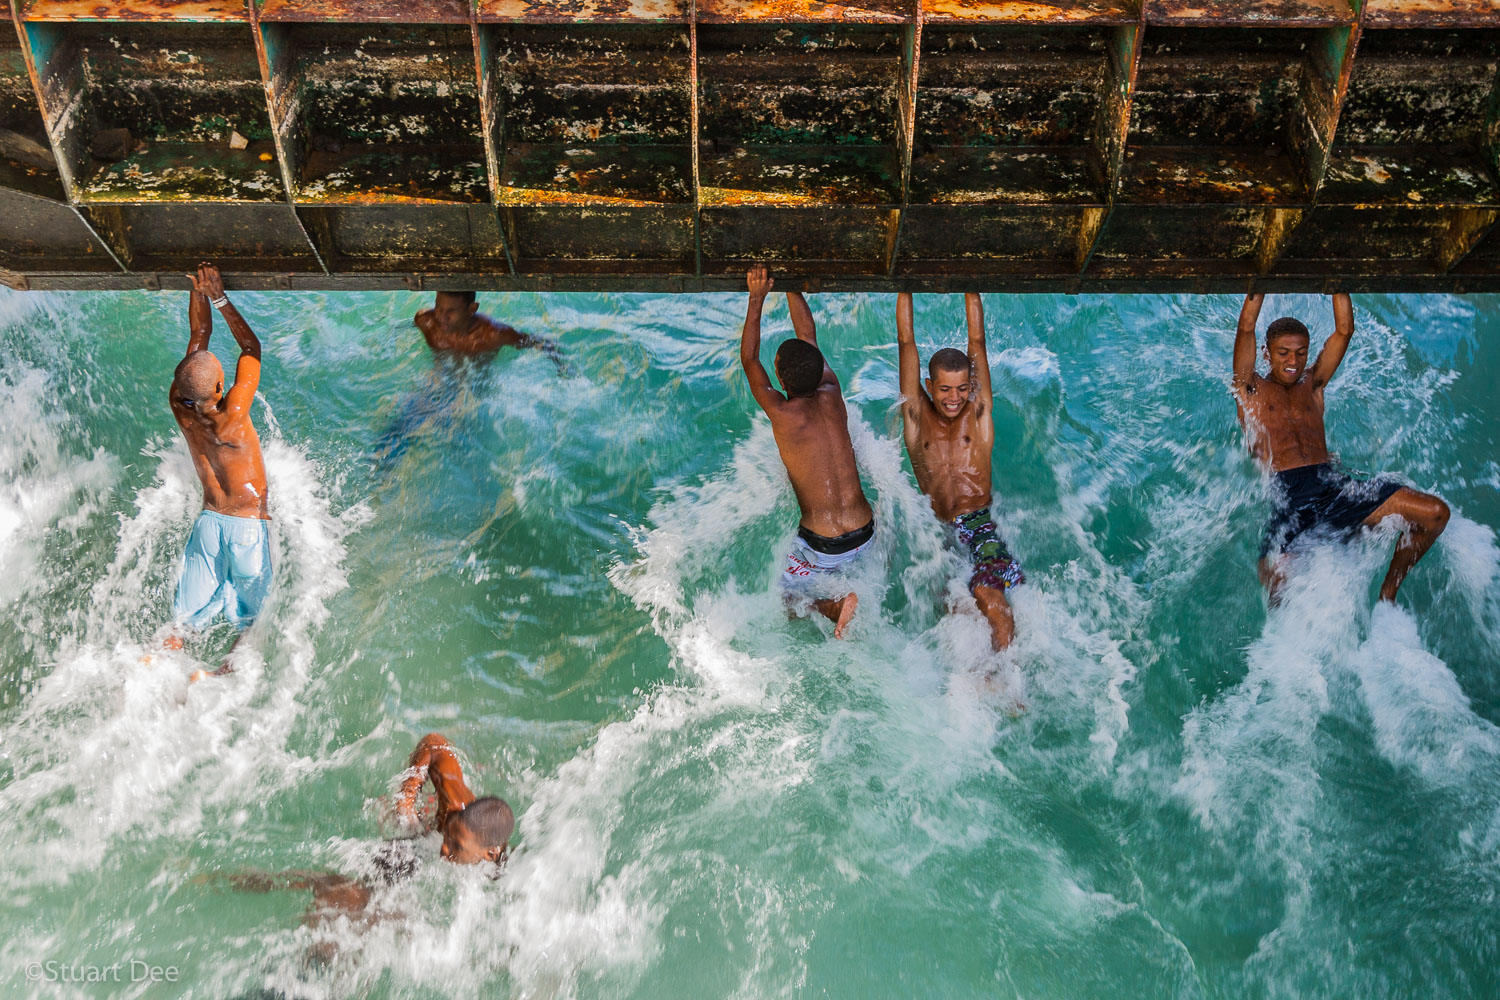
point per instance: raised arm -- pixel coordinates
(759, 284)
(200, 319)
(208, 282)
(978, 354)
(1244, 340)
(1332, 354)
(434, 759)
(906, 349)
(806, 329)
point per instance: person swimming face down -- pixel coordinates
(478, 832)
(1286, 347)
(198, 382)
(950, 382)
(799, 366)
(454, 311)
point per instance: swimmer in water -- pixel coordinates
(454, 326)
(1282, 414)
(950, 432)
(474, 830)
(455, 330)
(811, 426)
(226, 568)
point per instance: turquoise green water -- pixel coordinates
(572, 578)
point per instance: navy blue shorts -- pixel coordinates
(1321, 499)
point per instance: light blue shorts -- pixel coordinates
(226, 570)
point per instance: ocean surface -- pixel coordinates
(1162, 790)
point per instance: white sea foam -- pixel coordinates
(112, 737)
(44, 485)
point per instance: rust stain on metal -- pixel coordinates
(542, 11)
(359, 11)
(1433, 13)
(1066, 143)
(793, 11)
(1305, 13)
(134, 10)
(1024, 11)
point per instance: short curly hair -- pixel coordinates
(800, 367)
(1285, 327)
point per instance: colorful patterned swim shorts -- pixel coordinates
(993, 564)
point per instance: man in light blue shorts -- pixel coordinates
(226, 569)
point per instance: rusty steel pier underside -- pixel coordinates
(1034, 145)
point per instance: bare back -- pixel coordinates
(218, 429)
(483, 336)
(812, 431)
(226, 453)
(812, 434)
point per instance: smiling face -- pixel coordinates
(950, 391)
(1287, 354)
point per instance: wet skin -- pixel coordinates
(812, 432)
(434, 760)
(454, 326)
(1282, 415)
(337, 896)
(950, 434)
(812, 435)
(220, 434)
(457, 326)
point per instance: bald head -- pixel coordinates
(199, 378)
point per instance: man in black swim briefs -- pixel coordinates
(811, 426)
(1282, 413)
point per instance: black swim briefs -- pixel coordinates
(839, 544)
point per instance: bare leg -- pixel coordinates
(996, 610)
(1272, 571)
(840, 611)
(224, 668)
(1426, 516)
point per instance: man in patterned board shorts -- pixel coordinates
(949, 435)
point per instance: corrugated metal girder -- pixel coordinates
(1111, 145)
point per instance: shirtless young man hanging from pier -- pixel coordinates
(950, 432)
(811, 426)
(454, 325)
(1282, 414)
(474, 830)
(226, 568)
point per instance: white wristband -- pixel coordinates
(220, 302)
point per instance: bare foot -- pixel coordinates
(847, 607)
(198, 675)
(993, 683)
